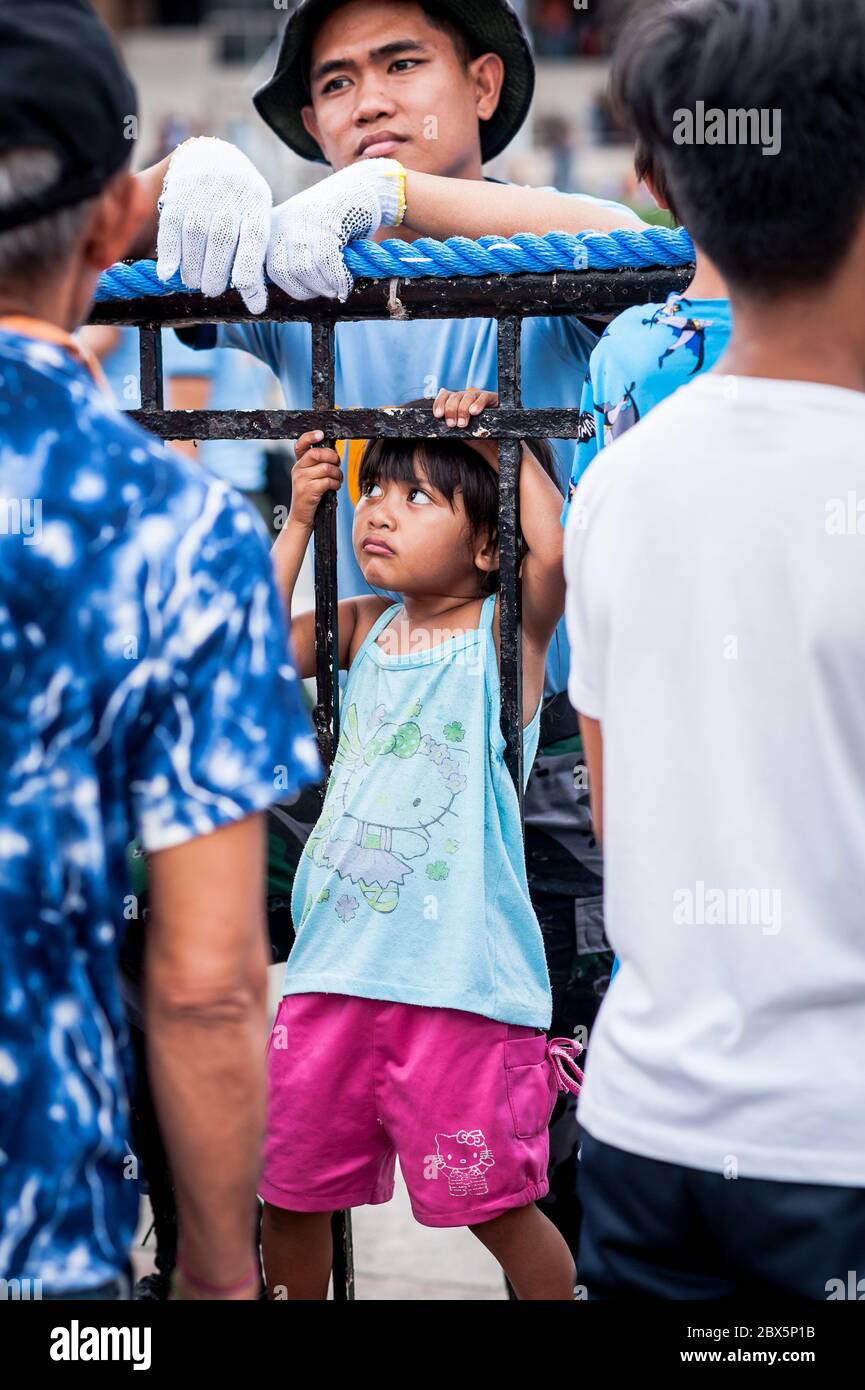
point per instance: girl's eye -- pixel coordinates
(419, 492)
(371, 489)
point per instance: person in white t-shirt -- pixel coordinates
(715, 559)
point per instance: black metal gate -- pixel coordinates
(593, 295)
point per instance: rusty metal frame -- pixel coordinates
(593, 295)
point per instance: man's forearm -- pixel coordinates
(205, 1062)
(151, 181)
(441, 207)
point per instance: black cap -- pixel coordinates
(491, 25)
(63, 87)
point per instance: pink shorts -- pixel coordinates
(463, 1101)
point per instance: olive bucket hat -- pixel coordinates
(491, 26)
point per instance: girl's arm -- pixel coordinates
(543, 575)
(543, 572)
(316, 472)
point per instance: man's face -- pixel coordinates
(385, 82)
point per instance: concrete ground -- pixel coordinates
(395, 1258)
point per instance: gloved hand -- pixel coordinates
(310, 231)
(214, 221)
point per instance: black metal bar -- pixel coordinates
(506, 423)
(150, 359)
(326, 713)
(343, 1257)
(595, 293)
(510, 592)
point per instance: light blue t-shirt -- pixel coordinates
(391, 363)
(395, 362)
(238, 382)
(645, 355)
(412, 886)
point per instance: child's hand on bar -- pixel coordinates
(460, 408)
(316, 472)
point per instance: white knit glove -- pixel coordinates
(310, 231)
(214, 221)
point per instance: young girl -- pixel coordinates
(416, 993)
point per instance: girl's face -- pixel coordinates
(409, 538)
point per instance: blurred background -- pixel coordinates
(197, 63)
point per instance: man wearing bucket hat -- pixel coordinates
(405, 101)
(486, 24)
(130, 583)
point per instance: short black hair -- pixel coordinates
(450, 464)
(769, 222)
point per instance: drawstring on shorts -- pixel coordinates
(562, 1054)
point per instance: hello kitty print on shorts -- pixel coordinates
(465, 1158)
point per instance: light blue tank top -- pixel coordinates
(412, 886)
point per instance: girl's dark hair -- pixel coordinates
(450, 464)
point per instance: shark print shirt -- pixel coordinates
(146, 689)
(645, 355)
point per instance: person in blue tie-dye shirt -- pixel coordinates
(146, 689)
(651, 350)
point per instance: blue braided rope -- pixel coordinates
(618, 250)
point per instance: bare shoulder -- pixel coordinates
(368, 609)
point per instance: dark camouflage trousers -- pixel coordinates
(564, 867)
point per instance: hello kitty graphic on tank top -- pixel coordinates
(412, 886)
